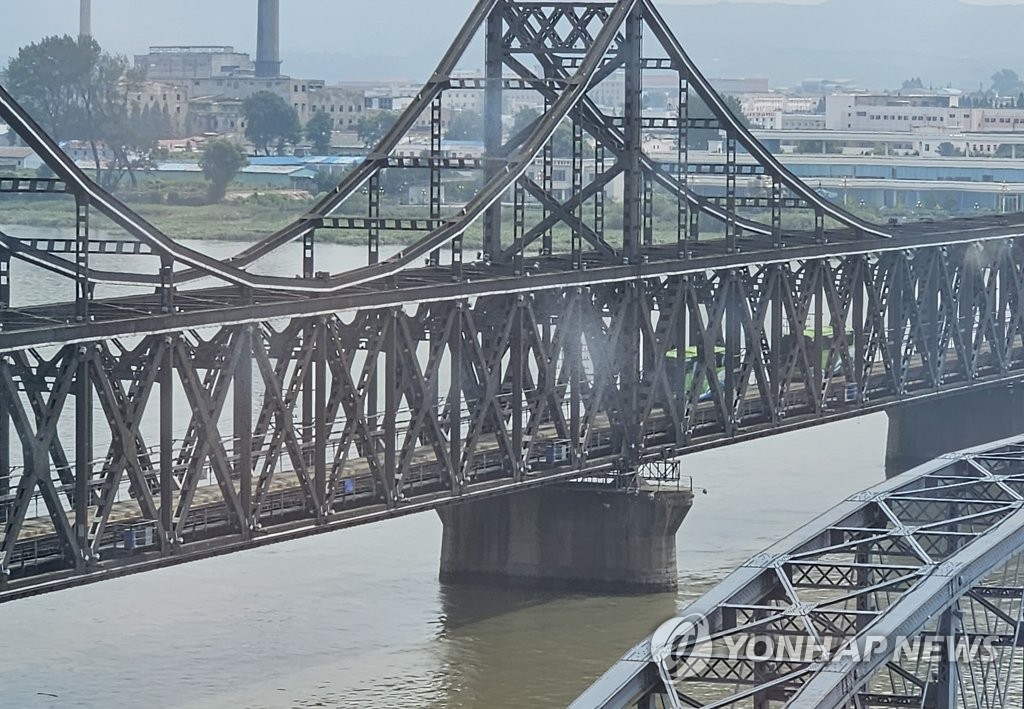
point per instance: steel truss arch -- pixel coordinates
(579, 45)
(830, 617)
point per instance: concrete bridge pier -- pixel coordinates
(924, 430)
(570, 537)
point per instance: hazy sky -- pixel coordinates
(128, 26)
(393, 38)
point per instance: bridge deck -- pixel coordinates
(52, 324)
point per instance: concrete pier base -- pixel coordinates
(922, 431)
(568, 537)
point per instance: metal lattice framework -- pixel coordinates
(174, 405)
(908, 594)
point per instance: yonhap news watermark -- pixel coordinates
(684, 647)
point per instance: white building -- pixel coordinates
(761, 109)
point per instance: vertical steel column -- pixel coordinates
(5, 452)
(391, 399)
(518, 224)
(83, 449)
(577, 188)
(678, 382)
(435, 170)
(167, 412)
(574, 352)
(83, 387)
(895, 328)
(776, 205)
(308, 334)
(373, 213)
(493, 95)
(5, 280)
(682, 165)
(819, 340)
(599, 196)
(517, 363)
(166, 285)
(632, 369)
(776, 367)
(547, 176)
(947, 683)
(308, 254)
(648, 211)
(455, 395)
(632, 49)
(242, 432)
(321, 425)
(731, 228)
(167, 445)
(83, 289)
(859, 343)
(733, 356)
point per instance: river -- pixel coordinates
(358, 618)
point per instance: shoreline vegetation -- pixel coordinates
(246, 216)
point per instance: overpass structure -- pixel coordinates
(908, 594)
(178, 406)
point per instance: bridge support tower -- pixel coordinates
(927, 429)
(567, 537)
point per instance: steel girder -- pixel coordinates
(910, 594)
(328, 400)
(316, 422)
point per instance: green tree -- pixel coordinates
(736, 109)
(1006, 82)
(523, 119)
(372, 127)
(269, 120)
(75, 90)
(914, 84)
(49, 79)
(465, 125)
(561, 141)
(221, 161)
(318, 132)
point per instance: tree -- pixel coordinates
(318, 132)
(269, 120)
(736, 109)
(1006, 82)
(221, 161)
(372, 127)
(466, 125)
(912, 84)
(49, 79)
(523, 119)
(76, 90)
(561, 141)
(946, 149)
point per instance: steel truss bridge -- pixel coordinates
(909, 594)
(168, 405)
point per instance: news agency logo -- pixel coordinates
(682, 648)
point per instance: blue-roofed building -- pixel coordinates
(285, 176)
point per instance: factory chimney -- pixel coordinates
(85, 19)
(268, 39)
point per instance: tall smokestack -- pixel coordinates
(268, 39)
(85, 19)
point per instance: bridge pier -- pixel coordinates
(567, 537)
(924, 430)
